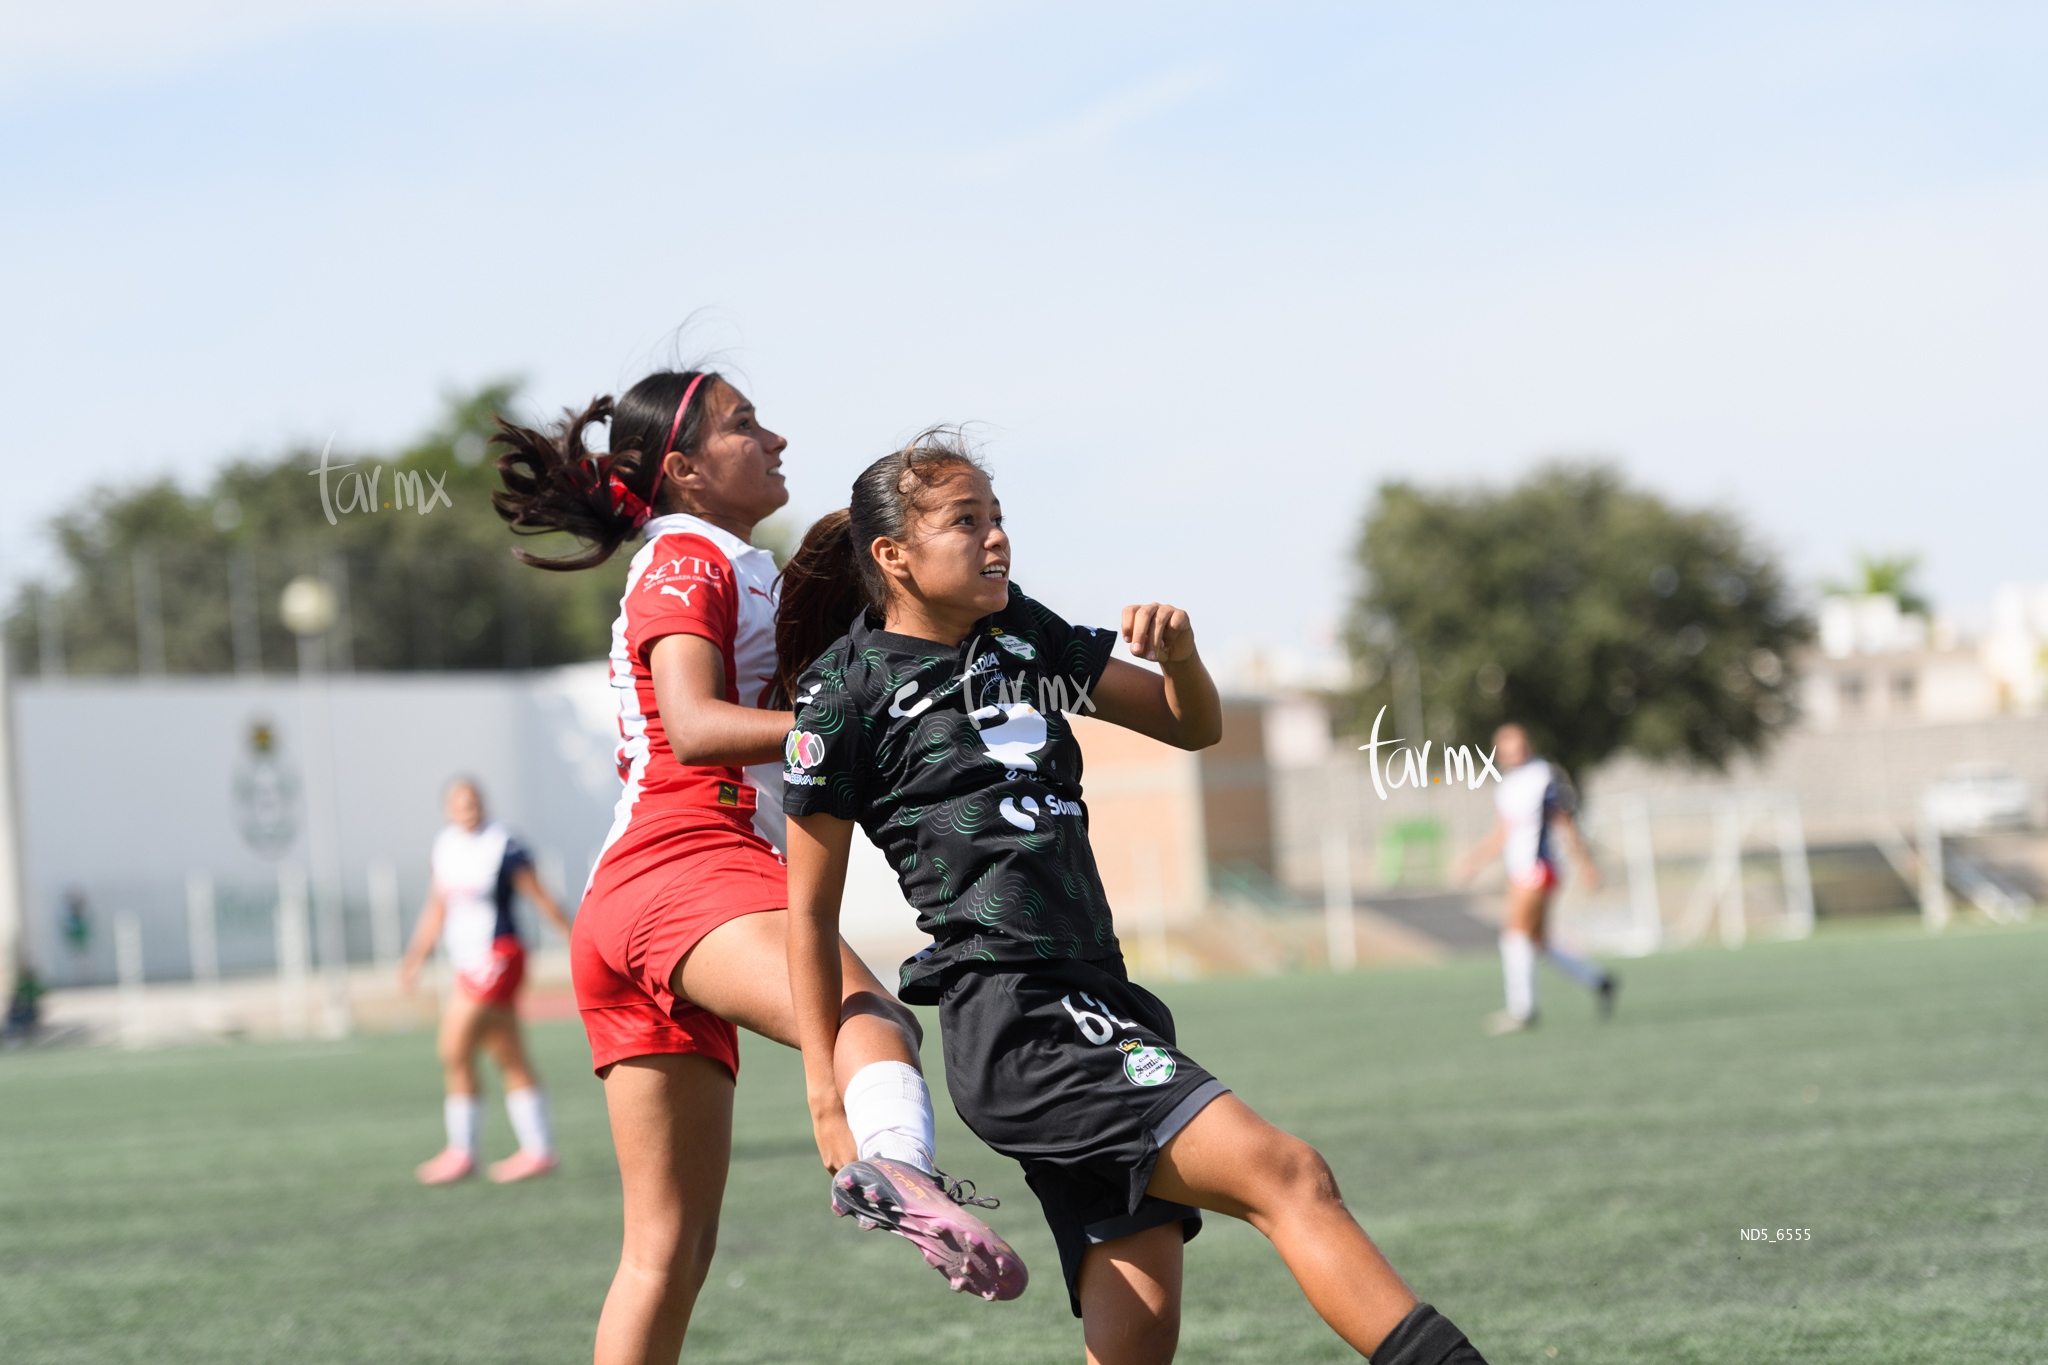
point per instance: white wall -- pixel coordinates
(127, 785)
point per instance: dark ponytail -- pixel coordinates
(821, 591)
(553, 483)
(832, 576)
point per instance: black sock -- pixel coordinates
(1426, 1337)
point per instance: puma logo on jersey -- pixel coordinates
(684, 593)
(756, 591)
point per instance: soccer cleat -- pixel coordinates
(523, 1165)
(1501, 1022)
(451, 1165)
(1604, 993)
(929, 1212)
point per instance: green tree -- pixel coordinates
(1897, 575)
(1597, 615)
(425, 590)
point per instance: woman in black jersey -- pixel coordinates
(937, 723)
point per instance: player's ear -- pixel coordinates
(892, 558)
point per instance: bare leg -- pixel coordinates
(1232, 1161)
(501, 1037)
(462, 1023)
(1526, 909)
(1130, 1298)
(740, 972)
(672, 1125)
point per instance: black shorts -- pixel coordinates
(1072, 1071)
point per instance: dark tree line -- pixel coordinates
(156, 578)
(1599, 616)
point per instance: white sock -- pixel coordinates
(464, 1115)
(528, 1110)
(889, 1109)
(1577, 968)
(1518, 971)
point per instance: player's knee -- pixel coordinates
(906, 1020)
(1156, 1341)
(676, 1254)
(893, 1013)
(1298, 1177)
(1136, 1338)
(700, 1251)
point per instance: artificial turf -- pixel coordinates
(1574, 1195)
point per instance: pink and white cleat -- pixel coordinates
(523, 1165)
(451, 1165)
(929, 1212)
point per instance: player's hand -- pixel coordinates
(1589, 876)
(835, 1139)
(1160, 632)
(408, 976)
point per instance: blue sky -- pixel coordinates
(1206, 273)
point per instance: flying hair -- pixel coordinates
(832, 577)
(554, 484)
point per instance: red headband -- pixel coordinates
(625, 499)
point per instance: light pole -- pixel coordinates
(13, 900)
(308, 609)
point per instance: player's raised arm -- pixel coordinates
(1177, 705)
(818, 848)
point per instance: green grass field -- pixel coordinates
(1574, 1195)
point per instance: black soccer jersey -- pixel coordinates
(962, 768)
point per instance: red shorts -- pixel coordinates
(670, 879)
(495, 980)
(1542, 876)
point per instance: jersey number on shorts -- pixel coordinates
(1098, 1025)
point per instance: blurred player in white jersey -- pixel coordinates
(1535, 803)
(477, 865)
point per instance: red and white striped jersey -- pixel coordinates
(691, 578)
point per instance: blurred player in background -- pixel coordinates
(477, 865)
(1534, 800)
